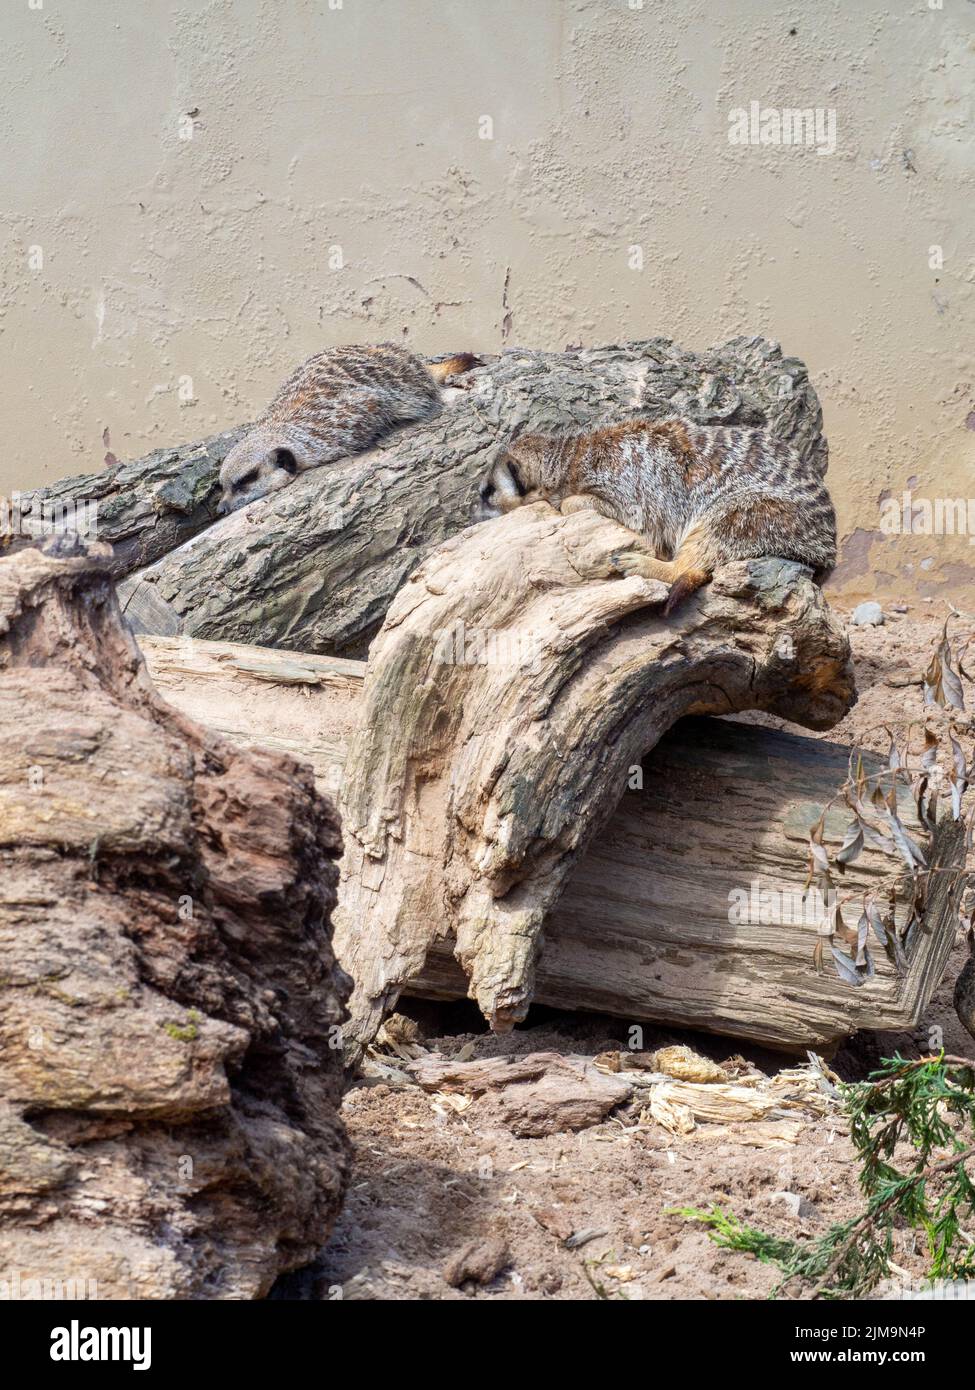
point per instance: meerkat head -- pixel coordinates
(515, 479)
(263, 461)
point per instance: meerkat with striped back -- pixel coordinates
(338, 402)
(698, 495)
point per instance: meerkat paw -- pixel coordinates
(641, 565)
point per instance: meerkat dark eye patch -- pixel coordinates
(246, 480)
(516, 477)
(284, 458)
(487, 491)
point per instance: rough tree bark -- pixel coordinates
(315, 567)
(644, 929)
(143, 509)
(169, 1000)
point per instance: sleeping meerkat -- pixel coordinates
(699, 495)
(338, 402)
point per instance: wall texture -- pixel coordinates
(199, 194)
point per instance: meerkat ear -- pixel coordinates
(283, 458)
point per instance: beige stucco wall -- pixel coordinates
(181, 278)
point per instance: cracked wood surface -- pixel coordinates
(515, 683)
(642, 929)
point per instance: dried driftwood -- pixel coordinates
(471, 790)
(643, 929)
(144, 508)
(759, 637)
(169, 1002)
(315, 567)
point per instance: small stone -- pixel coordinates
(799, 1207)
(898, 608)
(684, 1064)
(557, 1223)
(792, 1200)
(477, 1262)
(867, 615)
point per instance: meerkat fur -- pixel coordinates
(338, 402)
(698, 495)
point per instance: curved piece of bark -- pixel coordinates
(169, 1001)
(314, 567)
(471, 789)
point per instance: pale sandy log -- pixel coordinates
(297, 703)
(471, 790)
(642, 930)
(643, 927)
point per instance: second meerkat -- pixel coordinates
(699, 495)
(338, 402)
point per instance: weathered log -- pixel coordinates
(688, 907)
(169, 1000)
(315, 567)
(296, 703)
(644, 929)
(143, 509)
(471, 789)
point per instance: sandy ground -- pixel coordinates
(428, 1180)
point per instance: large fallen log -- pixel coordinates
(689, 905)
(315, 567)
(471, 792)
(512, 688)
(169, 1001)
(650, 924)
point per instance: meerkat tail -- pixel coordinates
(452, 366)
(692, 566)
(683, 586)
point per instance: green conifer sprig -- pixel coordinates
(912, 1124)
